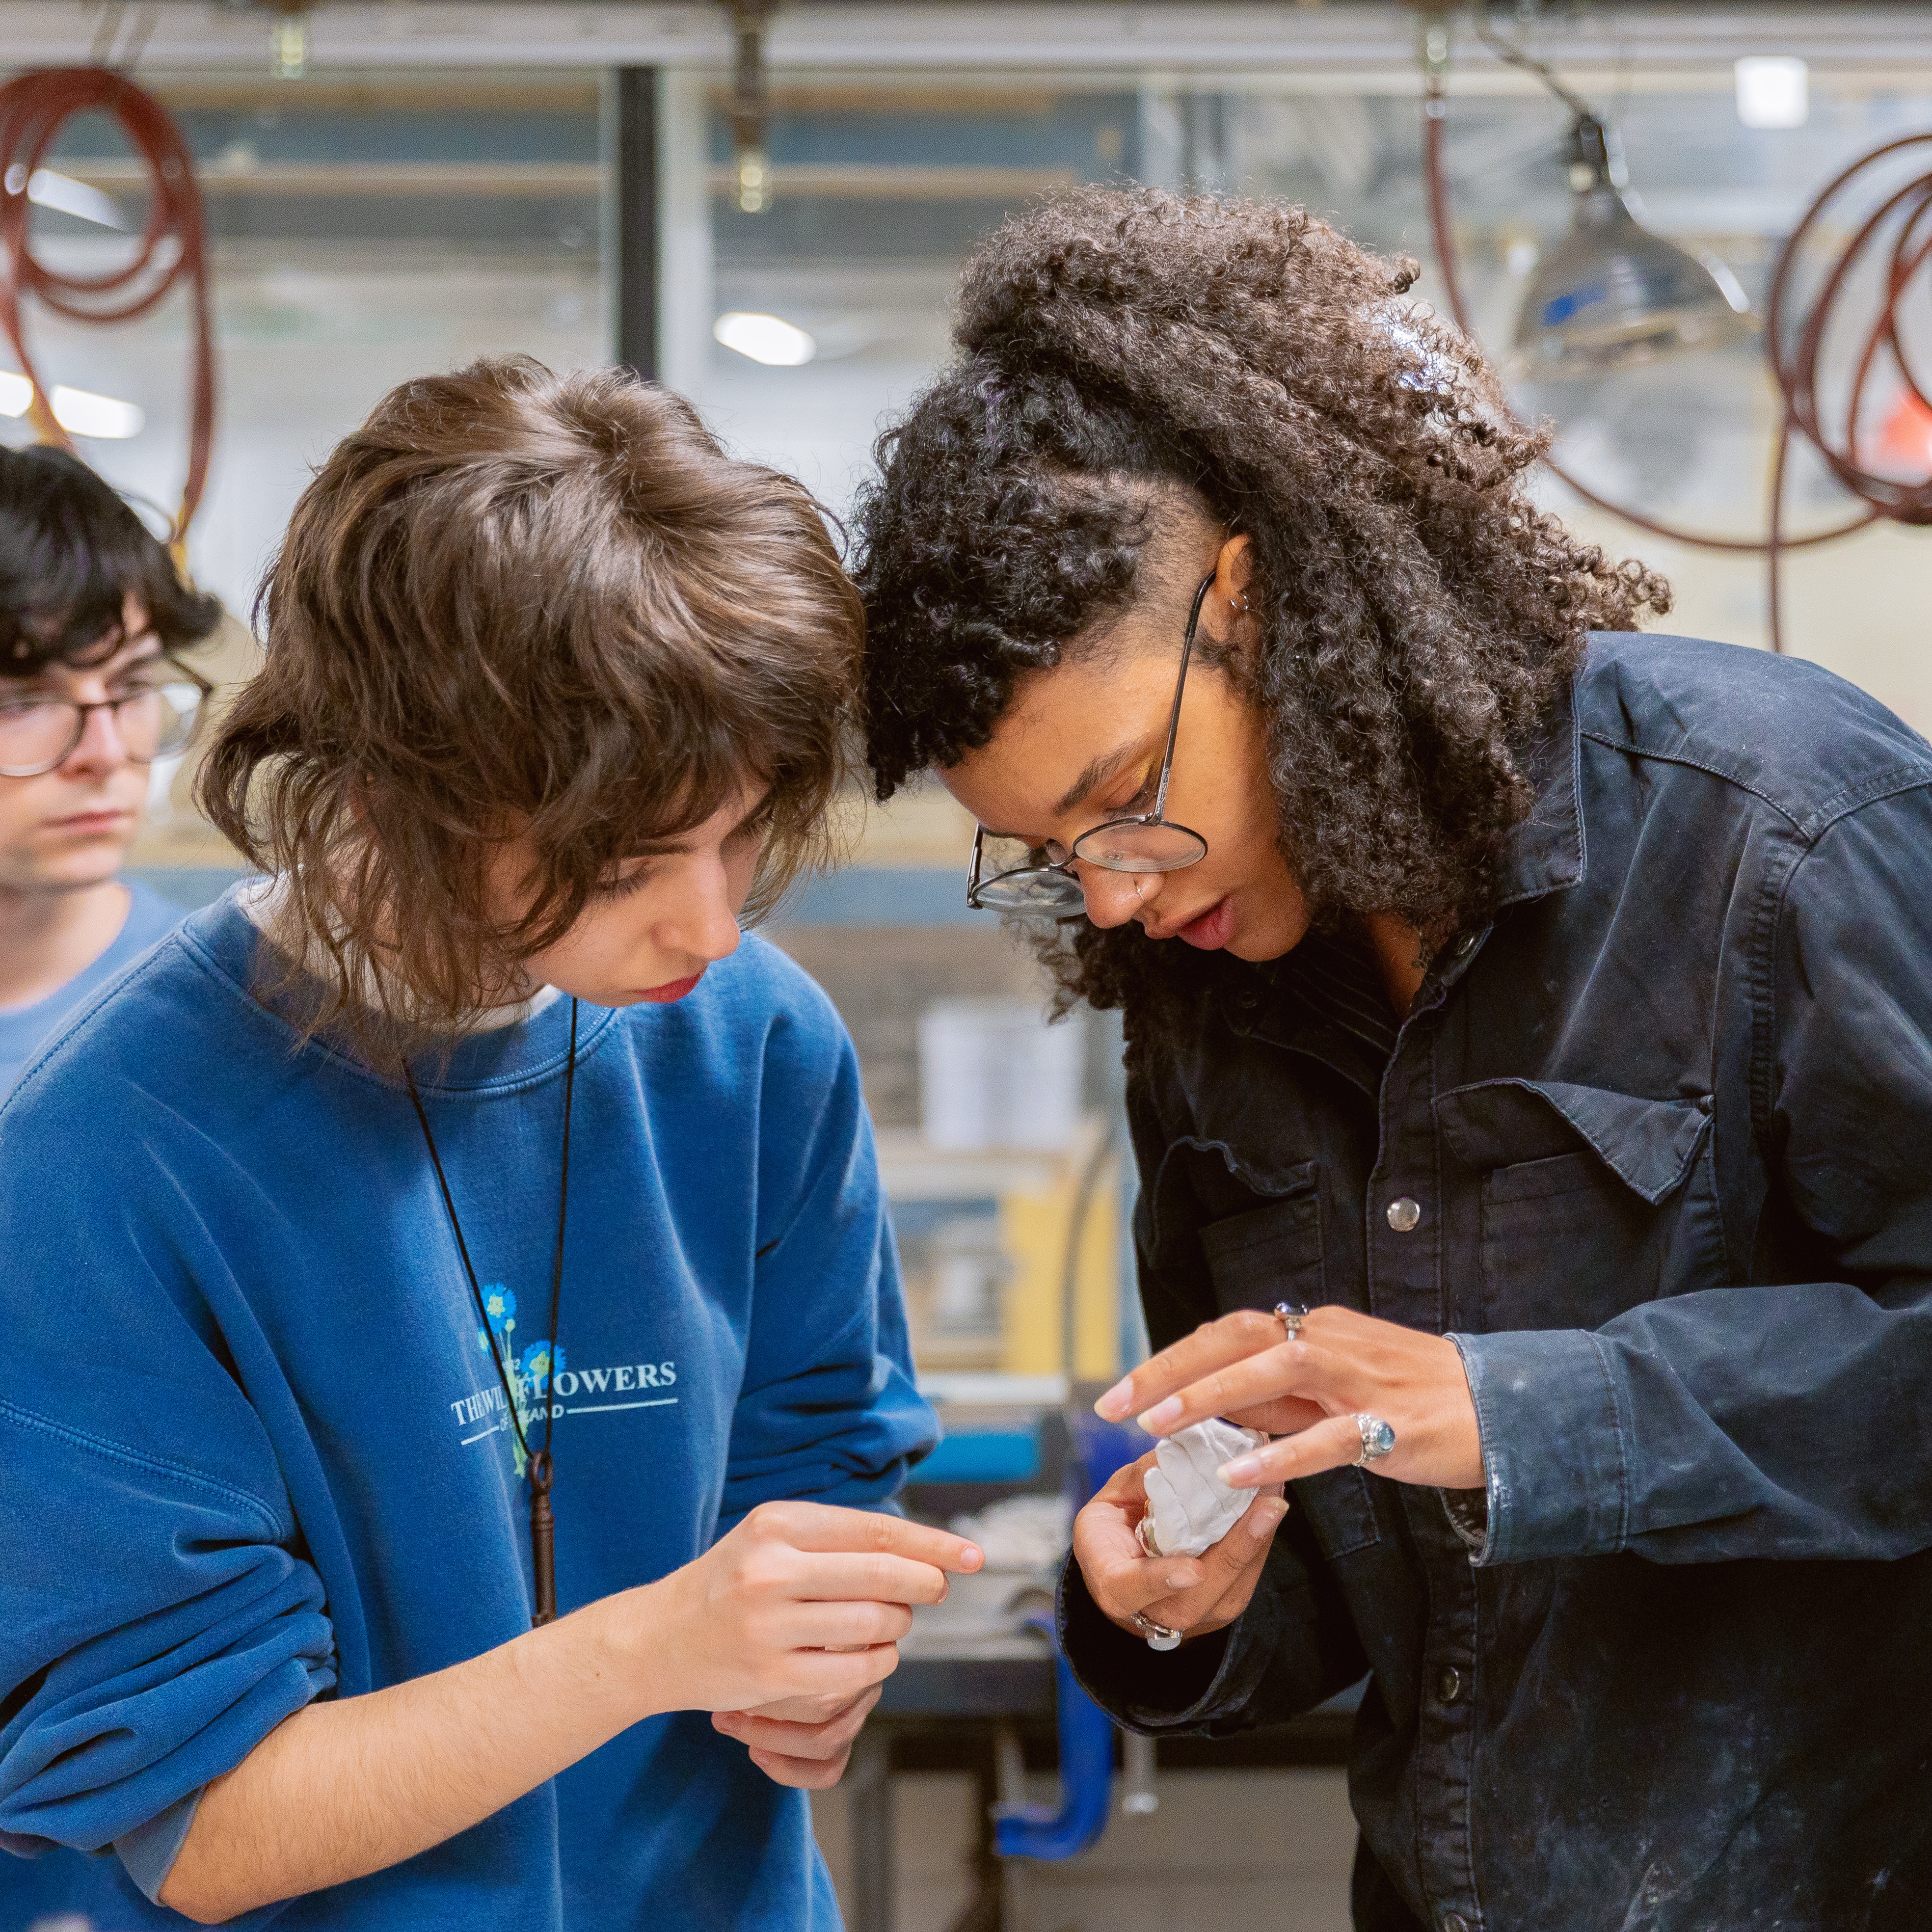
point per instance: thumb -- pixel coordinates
(1248, 1538)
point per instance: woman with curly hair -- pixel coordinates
(1529, 1049)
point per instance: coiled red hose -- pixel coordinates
(1898, 235)
(34, 108)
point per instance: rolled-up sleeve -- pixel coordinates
(1784, 1420)
(155, 1627)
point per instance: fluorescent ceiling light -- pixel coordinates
(764, 338)
(1773, 91)
(79, 411)
(46, 189)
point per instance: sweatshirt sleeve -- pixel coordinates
(1784, 1420)
(829, 1410)
(158, 1617)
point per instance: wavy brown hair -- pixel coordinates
(513, 601)
(1419, 615)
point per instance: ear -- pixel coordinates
(1228, 597)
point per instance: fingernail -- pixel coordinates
(1263, 1516)
(972, 1556)
(1163, 1415)
(1114, 1406)
(1243, 1469)
(1181, 1580)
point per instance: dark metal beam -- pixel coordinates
(634, 189)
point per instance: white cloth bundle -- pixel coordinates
(1190, 1508)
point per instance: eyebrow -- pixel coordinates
(1099, 771)
(669, 848)
(133, 655)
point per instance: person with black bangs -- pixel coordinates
(93, 615)
(1530, 1077)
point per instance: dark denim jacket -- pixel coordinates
(1668, 1121)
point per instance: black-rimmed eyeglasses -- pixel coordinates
(155, 719)
(1045, 883)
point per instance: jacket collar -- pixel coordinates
(1547, 852)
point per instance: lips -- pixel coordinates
(1212, 929)
(82, 822)
(672, 989)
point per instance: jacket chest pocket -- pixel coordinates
(1592, 1202)
(1273, 1254)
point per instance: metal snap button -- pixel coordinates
(1247, 999)
(1404, 1214)
(1448, 1684)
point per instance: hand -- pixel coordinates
(1307, 1393)
(1193, 1594)
(801, 1599)
(804, 1742)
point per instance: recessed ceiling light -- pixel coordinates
(1773, 91)
(764, 338)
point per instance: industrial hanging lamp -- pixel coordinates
(1611, 293)
(750, 106)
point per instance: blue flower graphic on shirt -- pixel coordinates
(529, 1372)
(534, 1369)
(499, 1306)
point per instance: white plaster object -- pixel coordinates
(1190, 1508)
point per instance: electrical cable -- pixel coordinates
(173, 247)
(1902, 225)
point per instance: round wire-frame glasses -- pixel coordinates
(39, 733)
(1047, 887)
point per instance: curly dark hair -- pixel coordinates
(1419, 614)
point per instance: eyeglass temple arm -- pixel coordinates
(1180, 688)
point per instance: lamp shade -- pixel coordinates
(1611, 292)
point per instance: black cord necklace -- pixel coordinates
(539, 1467)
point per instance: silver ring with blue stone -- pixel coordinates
(1378, 1439)
(1292, 1315)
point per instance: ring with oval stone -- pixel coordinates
(1378, 1439)
(1159, 1637)
(1292, 1315)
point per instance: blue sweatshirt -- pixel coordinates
(23, 1029)
(252, 1450)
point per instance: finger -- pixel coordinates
(835, 1673)
(1213, 1345)
(813, 1710)
(1332, 1444)
(802, 1773)
(841, 1626)
(818, 1741)
(825, 1527)
(1231, 1567)
(1248, 1383)
(1132, 1583)
(843, 1577)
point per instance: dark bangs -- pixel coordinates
(70, 554)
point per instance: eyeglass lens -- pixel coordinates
(38, 734)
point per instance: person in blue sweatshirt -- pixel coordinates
(93, 617)
(455, 1360)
